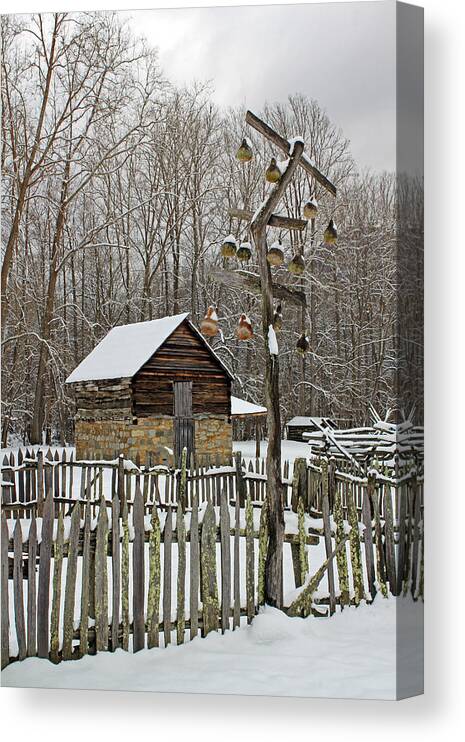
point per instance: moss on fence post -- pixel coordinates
(355, 553)
(182, 491)
(153, 600)
(341, 556)
(303, 555)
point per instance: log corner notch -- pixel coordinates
(259, 221)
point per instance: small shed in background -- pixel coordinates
(243, 411)
(300, 425)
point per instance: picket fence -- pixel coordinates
(171, 554)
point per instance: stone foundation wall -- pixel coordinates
(213, 437)
(150, 437)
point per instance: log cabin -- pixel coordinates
(148, 390)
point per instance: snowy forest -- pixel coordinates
(116, 190)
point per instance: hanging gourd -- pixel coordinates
(296, 265)
(273, 173)
(228, 248)
(330, 235)
(244, 252)
(302, 344)
(244, 153)
(244, 329)
(275, 254)
(278, 318)
(311, 209)
(209, 324)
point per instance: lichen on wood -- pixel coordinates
(153, 600)
(341, 557)
(355, 553)
(208, 570)
(303, 555)
(302, 605)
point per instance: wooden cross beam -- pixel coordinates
(247, 281)
(284, 145)
(282, 222)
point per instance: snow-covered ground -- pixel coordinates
(290, 450)
(351, 655)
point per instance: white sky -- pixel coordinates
(342, 54)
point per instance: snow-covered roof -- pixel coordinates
(125, 349)
(302, 422)
(242, 407)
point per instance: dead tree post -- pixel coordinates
(263, 284)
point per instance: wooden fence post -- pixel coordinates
(194, 565)
(70, 589)
(18, 589)
(153, 600)
(101, 580)
(115, 562)
(167, 537)
(182, 483)
(225, 531)
(56, 593)
(138, 571)
(341, 556)
(240, 481)
(31, 589)
(5, 616)
(368, 533)
(43, 596)
(208, 571)
(389, 540)
(325, 506)
(249, 561)
(85, 587)
(354, 540)
(181, 585)
(125, 571)
(262, 550)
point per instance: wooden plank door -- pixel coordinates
(183, 420)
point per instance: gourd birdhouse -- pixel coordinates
(273, 173)
(244, 329)
(296, 265)
(244, 153)
(311, 209)
(275, 254)
(302, 344)
(228, 248)
(244, 252)
(209, 324)
(330, 234)
(278, 318)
